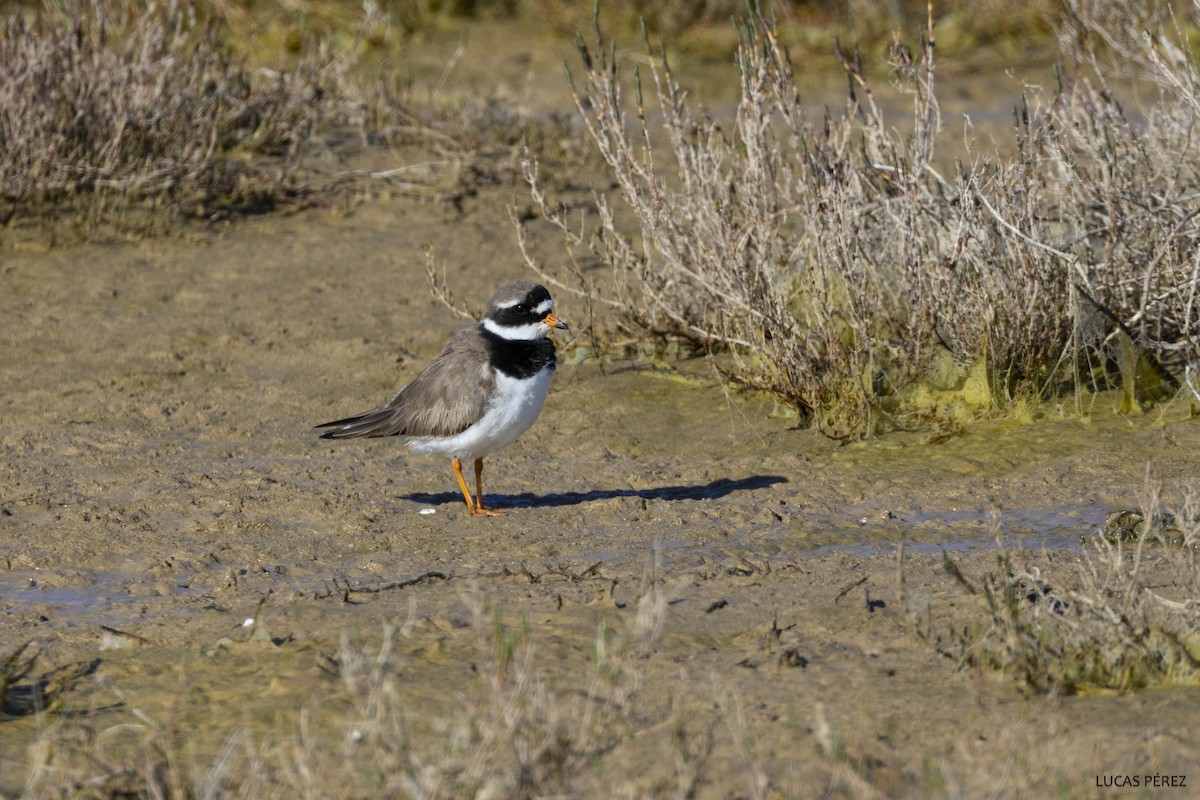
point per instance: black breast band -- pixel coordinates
(518, 358)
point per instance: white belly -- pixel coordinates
(511, 413)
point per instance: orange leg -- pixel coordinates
(480, 508)
(456, 464)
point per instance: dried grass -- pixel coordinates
(515, 731)
(121, 115)
(102, 103)
(1115, 616)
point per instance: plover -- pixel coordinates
(484, 390)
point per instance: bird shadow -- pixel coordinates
(706, 491)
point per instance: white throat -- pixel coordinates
(534, 330)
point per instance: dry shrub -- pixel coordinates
(834, 261)
(1125, 187)
(98, 100)
(801, 248)
(135, 116)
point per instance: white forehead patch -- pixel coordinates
(543, 308)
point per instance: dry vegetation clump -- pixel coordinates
(839, 264)
(514, 731)
(1115, 616)
(133, 116)
(104, 103)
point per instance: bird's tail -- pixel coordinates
(368, 424)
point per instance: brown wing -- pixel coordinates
(447, 397)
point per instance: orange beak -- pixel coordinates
(552, 321)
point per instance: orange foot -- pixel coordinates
(476, 510)
(474, 504)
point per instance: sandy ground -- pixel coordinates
(161, 485)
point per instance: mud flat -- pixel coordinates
(686, 594)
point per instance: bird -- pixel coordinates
(483, 391)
